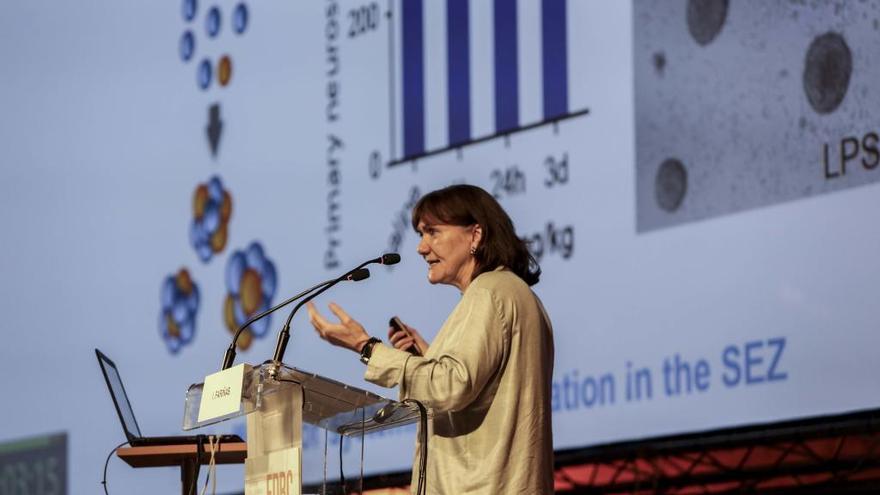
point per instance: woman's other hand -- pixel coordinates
(411, 337)
(348, 333)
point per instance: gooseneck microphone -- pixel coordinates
(385, 259)
(228, 358)
(284, 336)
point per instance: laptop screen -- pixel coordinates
(117, 391)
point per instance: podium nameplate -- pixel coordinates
(221, 395)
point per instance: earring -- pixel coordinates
(473, 251)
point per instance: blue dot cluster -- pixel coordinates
(213, 28)
(178, 309)
(203, 228)
(255, 259)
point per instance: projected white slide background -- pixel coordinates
(327, 130)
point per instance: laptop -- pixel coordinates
(126, 414)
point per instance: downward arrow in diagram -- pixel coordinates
(214, 128)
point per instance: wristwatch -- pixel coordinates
(367, 349)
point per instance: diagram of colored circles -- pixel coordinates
(179, 298)
(250, 276)
(213, 21)
(212, 208)
(250, 284)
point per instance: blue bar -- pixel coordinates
(506, 72)
(458, 62)
(413, 78)
(555, 58)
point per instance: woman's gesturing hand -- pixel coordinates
(410, 337)
(348, 333)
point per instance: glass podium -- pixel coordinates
(276, 399)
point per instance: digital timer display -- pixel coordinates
(34, 466)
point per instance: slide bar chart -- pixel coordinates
(505, 73)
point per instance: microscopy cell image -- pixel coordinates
(671, 184)
(705, 18)
(748, 104)
(212, 208)
(827, 71)
(251, 282)
(179, 301)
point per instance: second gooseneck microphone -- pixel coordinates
(354, 275)
(229, 357)
(284, 336)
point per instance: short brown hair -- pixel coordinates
(465, 205)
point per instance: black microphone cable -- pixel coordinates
(200, 449)
(341, 472)
(106, 462)
(422, 487)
